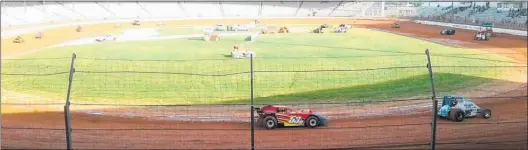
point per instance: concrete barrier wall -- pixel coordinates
(471, 27)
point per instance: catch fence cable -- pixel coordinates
(243, 104)
(207, 129)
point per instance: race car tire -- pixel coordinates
(486, 113)
(270, 122)
(312, 122)
(456, 115)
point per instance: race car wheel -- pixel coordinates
(312, 122)
(270, 122)
(456, 115)
(486, 113)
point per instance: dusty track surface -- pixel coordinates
(508, 124)
(143, 129)
(508, 45)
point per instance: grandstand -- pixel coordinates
(24, 13)
(503, 14)
(278, 9)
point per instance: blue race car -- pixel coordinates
(457, 108)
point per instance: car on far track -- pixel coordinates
(106, 38)
(220, 27)
(448, 32)
(273, 116)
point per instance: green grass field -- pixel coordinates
(279, 77)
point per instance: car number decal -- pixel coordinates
(295, 120)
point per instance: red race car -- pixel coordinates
(272, 116)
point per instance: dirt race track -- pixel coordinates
(410, 129)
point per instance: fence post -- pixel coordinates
(435, 102)
(67, 105)
(251, 103)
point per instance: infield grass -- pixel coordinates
(307, 67)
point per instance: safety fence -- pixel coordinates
(371, 101)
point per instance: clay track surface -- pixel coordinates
(164, 128)
(409, 130)
(508, 45)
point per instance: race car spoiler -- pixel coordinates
(259, 109)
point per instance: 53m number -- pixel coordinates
(295, 120)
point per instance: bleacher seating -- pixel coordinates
(202, 9)
(373, 10)
(29, 14)
(163, 9)
(8, 20)
(475, 15)
(431, 11)
(463, 13)
(241, 9)
(87, 10)
(350, 9)
(20, 13)
(522, 19)
(14, 4)
(279, 9)
(127, 10)
(61, 11)
(322, 9)
(490, 14)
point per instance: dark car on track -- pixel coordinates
(448, 32)
(395, 25)
(326, 26)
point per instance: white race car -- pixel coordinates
(208, 30)
(340, 30)
(236, 27)
(106, 38)
(220, 27)
(136, 22)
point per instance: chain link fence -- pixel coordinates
(381, 101)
